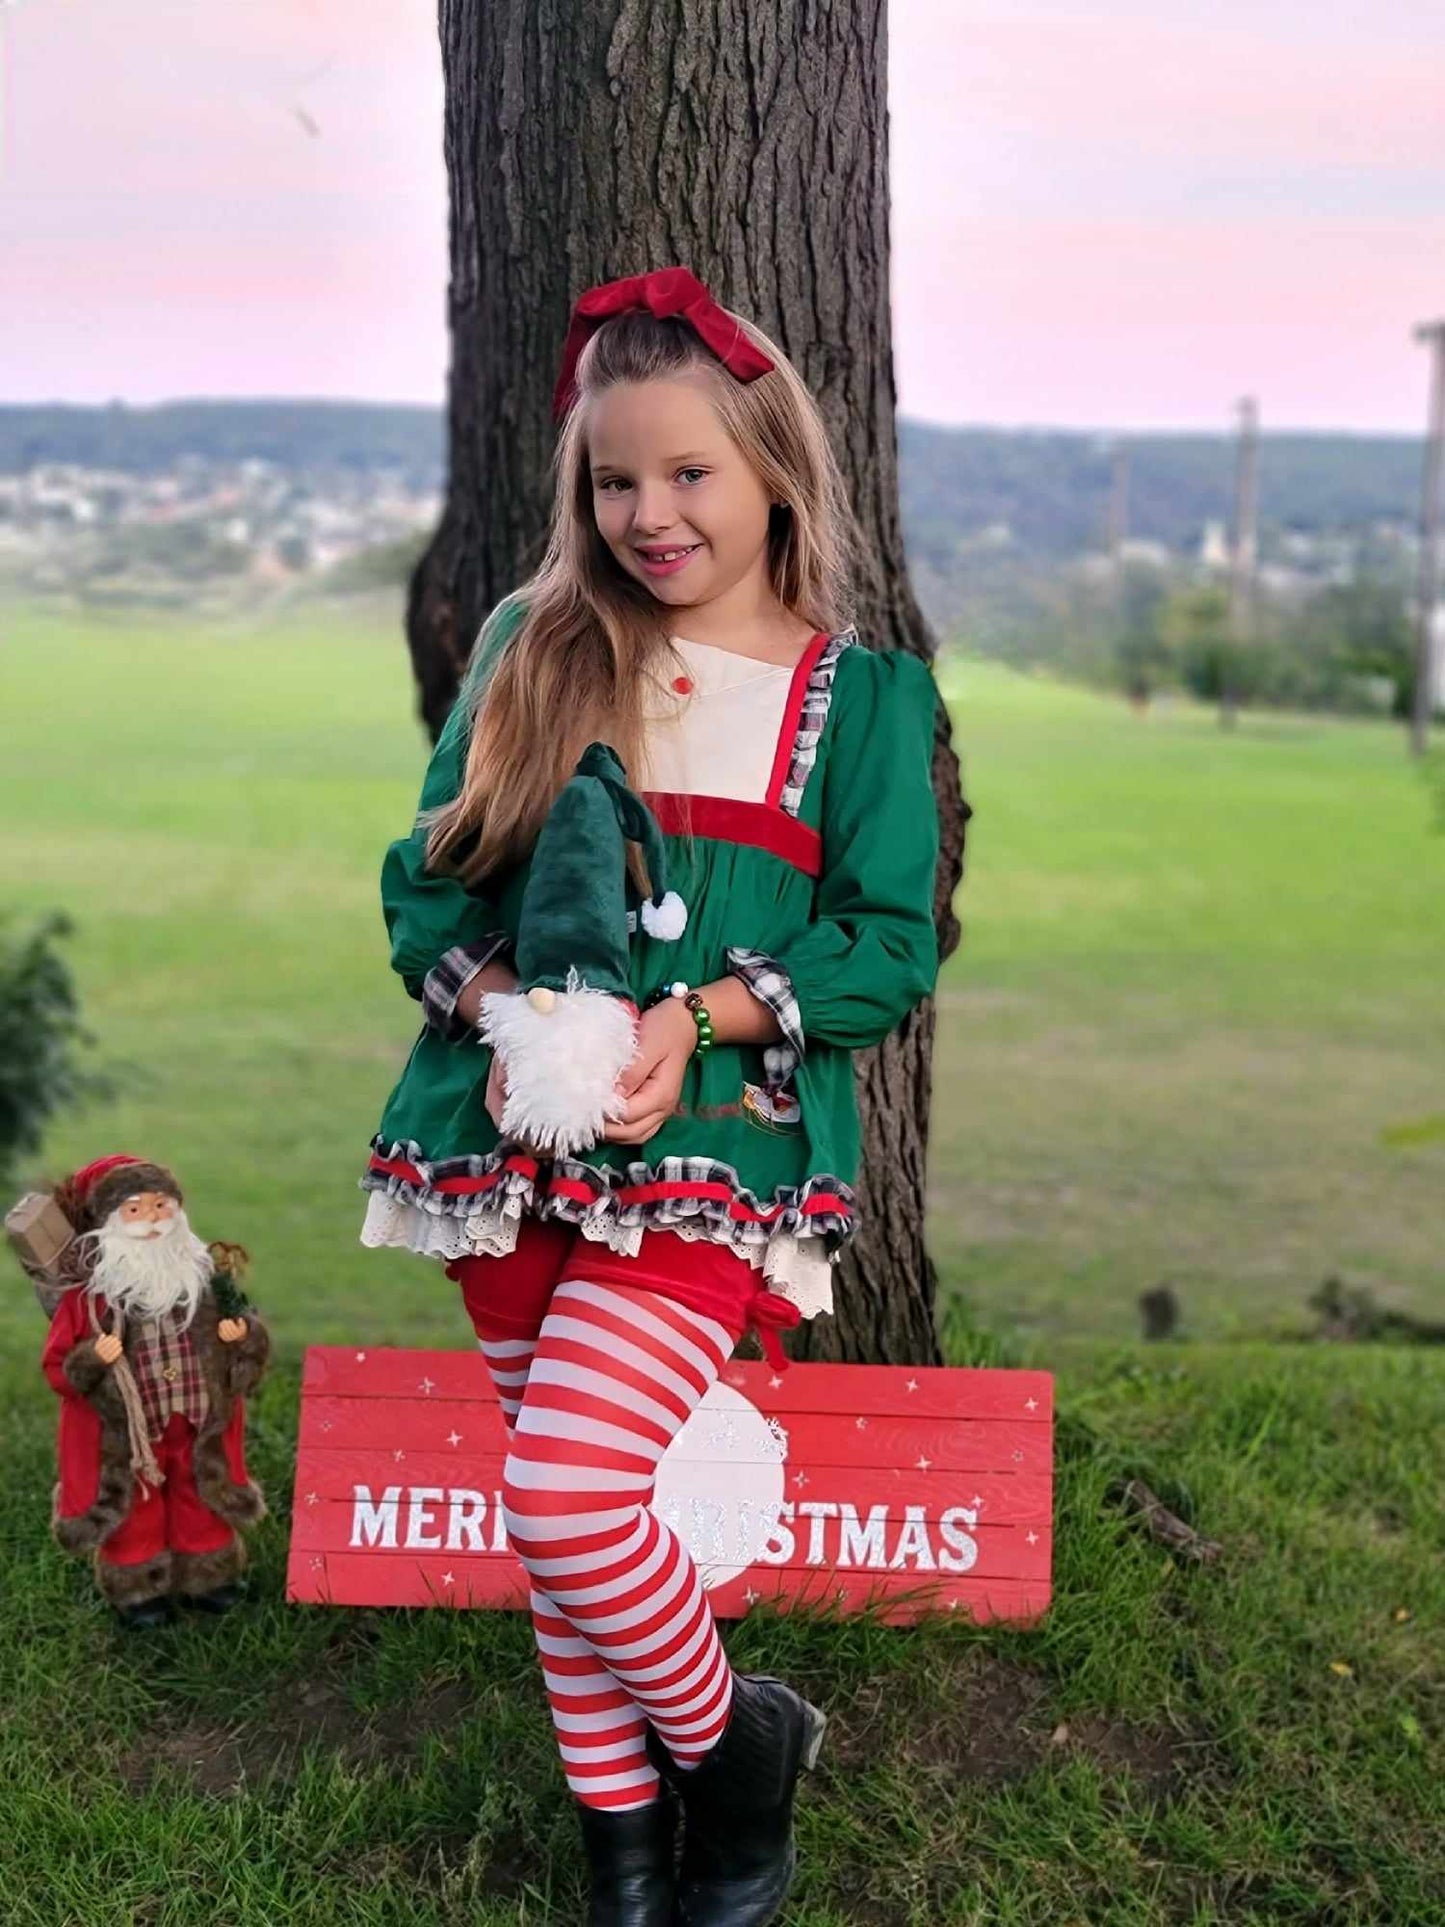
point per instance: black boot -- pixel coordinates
(738, 1853)
(632, 1855)
(147, 1613)
(221, 1600)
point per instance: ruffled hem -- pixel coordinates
(463, 1207)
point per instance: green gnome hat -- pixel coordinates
(567, 1032)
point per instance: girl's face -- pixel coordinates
(666, 477)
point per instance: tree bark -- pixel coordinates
(747, 140)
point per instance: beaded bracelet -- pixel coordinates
(702, 1016)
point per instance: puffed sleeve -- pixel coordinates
(871, 952)
(443, 932)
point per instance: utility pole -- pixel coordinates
(1118, 525)
(1243, 556)
(1427, 592)
(1244, 551)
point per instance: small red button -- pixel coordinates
(683, 685)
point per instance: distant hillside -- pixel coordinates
(1048, 488)
(1051, 488)
(293, 434)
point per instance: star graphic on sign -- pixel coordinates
(751, 1596)
(912, 1385)
(454, 1437)
(1030, 1404)
(1018, 1455)
(361, 1358)
(800, 1478)
(318, 1565)
(923, 1464)
(313, 1498)
(326, 1425)
(428, 1386)
(775, 1382)
(398, 1455)
(975, 1501)
(861, 1423)
(1032, 1537)
(953, 1605)
(448, 1579)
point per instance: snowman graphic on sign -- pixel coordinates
(720, 1483)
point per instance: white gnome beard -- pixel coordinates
(146, 1276)
(562, 1063)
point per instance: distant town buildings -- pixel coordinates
(1214, 548)
(113, 533)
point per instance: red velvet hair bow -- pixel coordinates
(665, 292)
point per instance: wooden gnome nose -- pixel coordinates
(542, 999)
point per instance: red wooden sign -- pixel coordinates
(850, 1486)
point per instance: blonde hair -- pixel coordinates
(578, 666)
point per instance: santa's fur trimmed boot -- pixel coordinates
(140, 1593)
(738, 1854)
(210, 1582)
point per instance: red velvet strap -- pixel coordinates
(769, 1314)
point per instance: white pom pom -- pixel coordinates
(666, 920)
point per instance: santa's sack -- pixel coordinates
(40, 1234)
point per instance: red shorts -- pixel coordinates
(508, 1297)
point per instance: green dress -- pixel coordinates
(820, 897)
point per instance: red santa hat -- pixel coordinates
(97, 1189)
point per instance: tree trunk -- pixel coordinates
(749, 143)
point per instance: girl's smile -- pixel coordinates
(658, 561)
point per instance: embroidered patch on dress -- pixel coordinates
(777, 1112)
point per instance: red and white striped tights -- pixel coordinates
(623, 1627)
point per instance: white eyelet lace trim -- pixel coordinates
(797, 1269)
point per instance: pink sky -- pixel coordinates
(1113, 215)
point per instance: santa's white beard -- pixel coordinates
(145, 1276)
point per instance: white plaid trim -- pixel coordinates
(816, 700)
(446, 981)
(821, 1207)
(771, 985)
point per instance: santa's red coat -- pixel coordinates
(78, 1438)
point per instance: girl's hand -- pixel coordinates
(495, 1095)
(494, 1099)
(652, 1082)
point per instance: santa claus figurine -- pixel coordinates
(152, 1349)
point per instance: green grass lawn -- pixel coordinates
(1200, 981)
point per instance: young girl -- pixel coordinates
(689, 613)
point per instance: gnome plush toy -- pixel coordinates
(567, 1032)
(152, 1348)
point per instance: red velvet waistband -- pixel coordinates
(507, 1296)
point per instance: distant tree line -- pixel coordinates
(1349, 646)
(293, 434)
